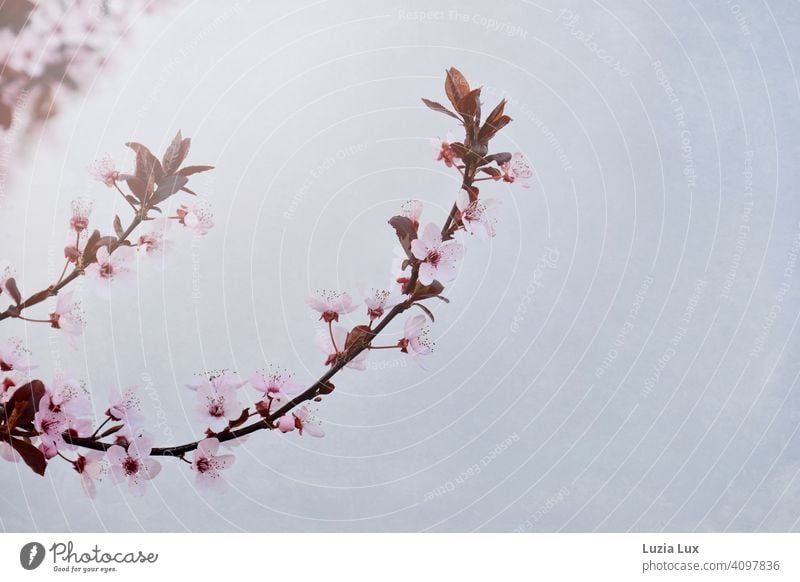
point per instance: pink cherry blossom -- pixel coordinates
(415, 339)
(48, 449)
(413, 211)
(103, 170)
(133, 465)
(275, 383)
(334, 348)
(13, 356)
(69, 395)
(7, 453)
(217, 407)
(517, 169)
(476, 216)
(89, 465)
(110, 266)
(331, 305)
(301, 419)
(75, 246)
(68, 316)
(378, 301)
(81, 209)
(438, 258)
(198, 217)
(9, 382)
(444, 150)
(50, 421)
(125, 406)
(208, 465)
(217, 380)
(154, 242)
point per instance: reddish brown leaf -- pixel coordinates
(32, 456)
(427, 311)
(359, 336)
(470, 107)
(175, 154)
(111, 431)
(440, 108)
(13, 290)
(406, 232)
(189, 170)
(427, 291)
(29, 395)
(118, 226)
(489, 130)
(167, 187)
(456, 86)
(499, 159)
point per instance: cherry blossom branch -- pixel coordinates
(55, 415)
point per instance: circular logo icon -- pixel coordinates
(31, 555)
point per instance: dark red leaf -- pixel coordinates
(499, 159)
(489, 129)
(359, 336)
(112, 430)
(189, 170)
(118, 226)
(440, 108)
(13, 290)
(175, 154)
(427, 311)
(167, 187)
(136, 186)
(456, 86)
(32, 456)
(406, 232)
(30, 395)
(427, 291)
(470, 107)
